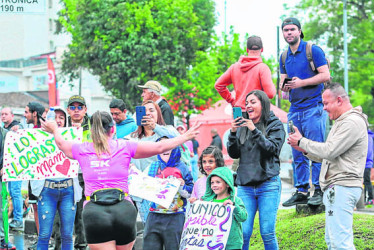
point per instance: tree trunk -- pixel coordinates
(188, 121)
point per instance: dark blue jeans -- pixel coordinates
(15, 192)
(265, 198)
(312, 125)
(51, 200)
(163, 231)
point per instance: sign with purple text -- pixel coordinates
(207, 226)
(32, 154)
(159, 191)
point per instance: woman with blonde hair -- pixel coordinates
(109, 215)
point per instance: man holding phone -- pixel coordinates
(248, 74)
(305, 94)
(33, 113)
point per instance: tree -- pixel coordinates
(325, 26)
(197, 92)
(127, 43)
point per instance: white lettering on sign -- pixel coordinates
(22, 6)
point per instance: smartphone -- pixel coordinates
(41, 117)
(290, 124)
(286, 80)
(140, 112)
(237, 112)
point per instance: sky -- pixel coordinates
(255, 17)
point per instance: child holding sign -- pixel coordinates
(164, 226)
(210, 159)
(220, 188)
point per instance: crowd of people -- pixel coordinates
(96, 210)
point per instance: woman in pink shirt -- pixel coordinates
(109, 216)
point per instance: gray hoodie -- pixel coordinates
(343, 155)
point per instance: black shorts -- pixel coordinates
(103, 223)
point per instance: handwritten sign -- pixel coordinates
(160, 191)
(207, 226)
(32, 154)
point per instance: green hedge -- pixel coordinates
(296, 231)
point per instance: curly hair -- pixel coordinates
(217, 154)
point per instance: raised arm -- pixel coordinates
(148, 149)
(64, 146)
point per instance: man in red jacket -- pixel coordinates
(248, 74)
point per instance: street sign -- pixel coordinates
(22, 6)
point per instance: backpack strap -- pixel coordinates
(309, 55)
(284, 56)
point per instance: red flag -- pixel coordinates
(51, 83)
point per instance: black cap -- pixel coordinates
(294, 21)
(77, 98)
(254, 43)
(35, 106)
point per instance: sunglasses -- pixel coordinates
(75, 107)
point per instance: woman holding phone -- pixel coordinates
(109, 216)
(257, 141)
(152, 127)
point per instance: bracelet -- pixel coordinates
(298, 142)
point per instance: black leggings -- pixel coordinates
(103, 223)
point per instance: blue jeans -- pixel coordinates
(265, 198)
(49, 201)
(15, 192)
(312, 125)
(339, 205)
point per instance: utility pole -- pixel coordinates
(80, 82)
(225, 18)
(345, 46)
(278, 73)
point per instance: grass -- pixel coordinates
(297, 231)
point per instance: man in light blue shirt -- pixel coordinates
(124, 124)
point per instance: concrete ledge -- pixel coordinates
(308, 210)
(30, 226)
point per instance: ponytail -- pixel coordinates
(101, 125)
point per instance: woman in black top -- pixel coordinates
(257, 141)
